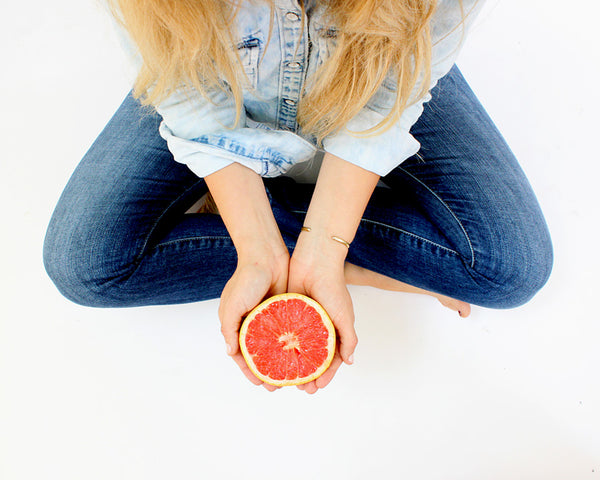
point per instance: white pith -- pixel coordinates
(326, 321)
(290, 340)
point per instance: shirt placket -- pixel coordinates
(292, 66)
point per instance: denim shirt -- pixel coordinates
(268, 139)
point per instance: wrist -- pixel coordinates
(246, 212)
(317, 247)
(261, 249)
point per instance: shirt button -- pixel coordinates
(292, 16)
(294, 65)
(289, 101)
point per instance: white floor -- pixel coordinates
(149, 393)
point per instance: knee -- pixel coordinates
(67, 270)
(522, 268)
(533, 273)
(77, 269)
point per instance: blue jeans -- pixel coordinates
(458, 219)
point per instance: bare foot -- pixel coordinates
(356, 275)
(463, 308)
(205, 204)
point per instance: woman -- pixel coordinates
(415, 176)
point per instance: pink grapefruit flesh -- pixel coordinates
(288, 340)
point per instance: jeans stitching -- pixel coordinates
(391, 227)
(451, 213)
(426, 240)
(137, 261)
(147, 239)
(207, 237)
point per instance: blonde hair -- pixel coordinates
(188, 43)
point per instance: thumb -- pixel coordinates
(231, 339)
(348, 342)
(230, 325)
(343, 319)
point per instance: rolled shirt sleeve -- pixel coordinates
(199, 134)
(382, 152)
(186, 116)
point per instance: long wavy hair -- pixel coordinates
(188, 43)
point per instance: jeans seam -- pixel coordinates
(157, 221)
(137, 261)
(472, 264)
(391, 227)
(181, 240)
(426, 240)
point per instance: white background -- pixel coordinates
(148, 393)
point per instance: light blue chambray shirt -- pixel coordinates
(268, 139)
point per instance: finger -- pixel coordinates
(239, 359)
(324, 379)
(311, 388)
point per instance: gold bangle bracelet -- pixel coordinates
(334, 238)
(341, 240)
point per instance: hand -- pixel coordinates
(256, 277)
(317, 270)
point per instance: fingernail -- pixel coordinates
(351, 359)
(228, 348)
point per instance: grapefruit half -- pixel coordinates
(288, 340)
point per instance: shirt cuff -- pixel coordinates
(269, 153)
(200, 162)
(382, 152)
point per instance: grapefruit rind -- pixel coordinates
(295, 381)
